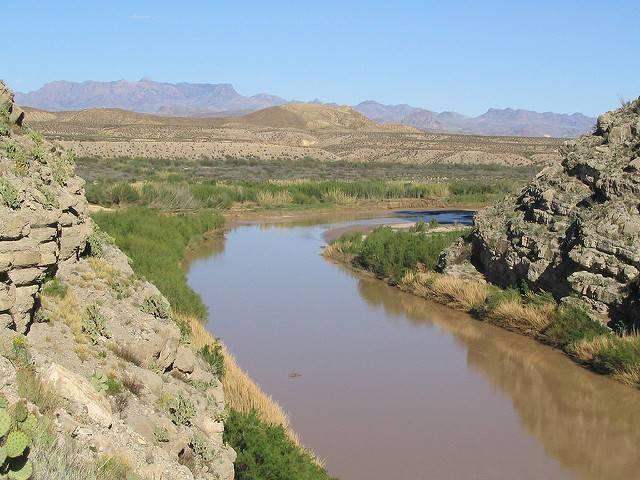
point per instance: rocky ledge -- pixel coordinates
(575, 229)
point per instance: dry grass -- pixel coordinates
(104, 270)
(586, 350)
(266, 198)
(69, 310)
(451, 291)
(339, 197)
(335, 251)
(528, 319)
(125, 352)
(31, 387)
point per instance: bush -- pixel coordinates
(388, 253)
(619, 355)
(8, 194)
(54, 288)
(266, 453)
(156, 244)
(572, 323)
(157, 306)
(97, 241)
(212, 354)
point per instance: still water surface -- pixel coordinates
(392, 387)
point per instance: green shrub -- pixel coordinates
(8, 194)
(390, 253)
(619, 355)
(212, 354)
(156, 244)
(97, 241)
(180, 410)
(265, 452)
(157, 306)
(54, 288)
(94, 324)
(571, 323)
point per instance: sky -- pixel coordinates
(564, 56)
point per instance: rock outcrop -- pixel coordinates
(575, 229)
(128, 384)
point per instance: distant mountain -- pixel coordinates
(146, 96)
(494, 122)
(215, 100)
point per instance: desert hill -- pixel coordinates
(222, 100)
(292, 131)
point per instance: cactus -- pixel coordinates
(181, 410)
(15, 424)
(16, 443)
(100, 381)
(5, 422)
(20, 411)
(157, 306)
(94, 324)
(200, 445)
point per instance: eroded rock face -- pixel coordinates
(575, 229)
(43, 217)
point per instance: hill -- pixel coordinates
(286, 132)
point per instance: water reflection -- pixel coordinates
(588, 422)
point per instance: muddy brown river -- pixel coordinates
(392, 387)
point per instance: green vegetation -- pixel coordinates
(180, 195)
(619, 355)
(180, 410)
(265, 452)
(16, 423)
(8, 194)
(94, 324)
(256, 170)
(389, 253)
(156, 244)
(571, 324)
(157, 306)
(214, 357)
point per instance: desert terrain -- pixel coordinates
(286, 132)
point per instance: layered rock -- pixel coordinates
(575, 229)
(42, 212)
(129, 383)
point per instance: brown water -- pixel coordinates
(395, 388)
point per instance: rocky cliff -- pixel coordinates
(89, 347)
(575, 229)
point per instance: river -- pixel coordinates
(383, 385)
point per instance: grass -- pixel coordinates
(265, 452)
(128, 169)
(174, 195)
(452, 291)
(156, 244)
(390, 254)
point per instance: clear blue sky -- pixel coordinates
(562, 55)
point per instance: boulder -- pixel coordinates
(78, 390)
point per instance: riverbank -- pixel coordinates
(566, 326)
(256, 426)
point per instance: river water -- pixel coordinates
(383, 385)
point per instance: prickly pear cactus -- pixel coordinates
(100, 381)
(15, 441)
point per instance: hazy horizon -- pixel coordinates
(463, 56)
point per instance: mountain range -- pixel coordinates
(194, 99)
